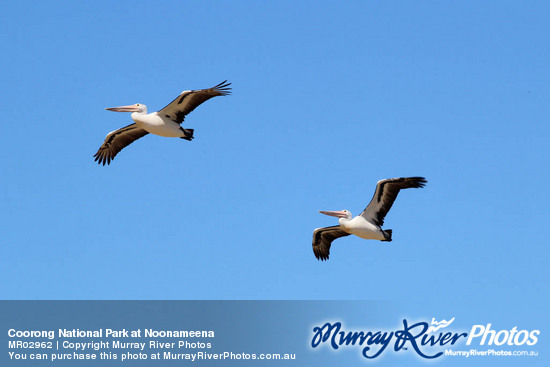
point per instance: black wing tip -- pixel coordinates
(223, 88)
(417, 182)
(102, 159)
(320, 255)
(319, 251)
(407, 182)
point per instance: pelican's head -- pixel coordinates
(339, 214)
(138, 107)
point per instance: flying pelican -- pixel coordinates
(368, 224)
(166, 122)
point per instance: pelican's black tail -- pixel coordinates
(188, 134)
(387, 235)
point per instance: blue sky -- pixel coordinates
(328, 98)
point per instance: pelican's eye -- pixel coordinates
(137, 104)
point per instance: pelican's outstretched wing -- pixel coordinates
(116, 141)
(188, 100)
(385, 194)
(322, 239)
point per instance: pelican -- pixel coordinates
(166, 122)
(368, 224)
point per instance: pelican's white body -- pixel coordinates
(156, 124)
(361, 227)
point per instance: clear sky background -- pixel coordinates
(328, 98)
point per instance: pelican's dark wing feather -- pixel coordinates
(188, 100)
(385, 194)
(322, 239)
(116, 141)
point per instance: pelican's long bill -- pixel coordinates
(130, 108)
(337, 213)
